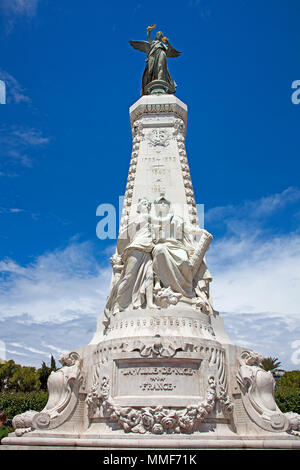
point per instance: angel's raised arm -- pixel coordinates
(149, 29)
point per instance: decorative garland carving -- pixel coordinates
(157, 347)
(225, 401)
(158, 420)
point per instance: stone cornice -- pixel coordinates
(158, 104)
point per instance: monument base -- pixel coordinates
(159, 378)
(158, 87)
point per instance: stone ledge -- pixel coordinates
(215, 442)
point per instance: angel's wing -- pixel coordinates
(171, 52)
(142, 46)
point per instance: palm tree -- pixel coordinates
(272, 364)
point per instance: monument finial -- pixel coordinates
(156, 77)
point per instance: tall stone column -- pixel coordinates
(168, 356)
(160, 370)
(159, 167)
(159, 162)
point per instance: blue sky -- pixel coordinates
(65, 146)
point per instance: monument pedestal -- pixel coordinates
(157, 379)
(166, 376)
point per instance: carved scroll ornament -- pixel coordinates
(257, 386)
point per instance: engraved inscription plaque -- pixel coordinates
(155, 377)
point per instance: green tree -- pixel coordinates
(290, 380)
(53, 364)
(45, 371)
(43, 374)
(288, 399)
(272, 364)
(7, 370)
(25, 379)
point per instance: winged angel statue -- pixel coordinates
(156, 77)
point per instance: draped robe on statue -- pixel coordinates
(170, 255)
(137, 274)
(163, 248)
(156, 68)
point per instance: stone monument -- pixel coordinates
(160, 371)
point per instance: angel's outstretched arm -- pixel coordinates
(149, 29)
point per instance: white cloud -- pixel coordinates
(15, 92)
(270, 335)
(16, 345)
(36, 351)
(19, 7)
(255, 270)
(12, 210)
(15, 210)
(238, 218)
(58, 286)
(17, 142)
(15, 353)
(45, 338)
(52, 305)
(30, 136)
(53, 348)
(256, 275)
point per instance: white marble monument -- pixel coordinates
(160, 371)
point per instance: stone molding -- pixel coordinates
(125, 326)
(158, 346)
(158, 105)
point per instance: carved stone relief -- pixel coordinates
(159, 137)
(63, 387)
(22, 423)
(159, 419)
(257, 386)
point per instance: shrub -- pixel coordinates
(14, 403)
(288, 399)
